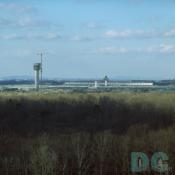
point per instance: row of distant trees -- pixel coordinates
(27, 82)
(34, 115)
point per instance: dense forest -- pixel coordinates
(83, 134)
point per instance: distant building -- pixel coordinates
(107, 83)
(106, 79)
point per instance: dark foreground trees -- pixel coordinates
(82, 153)
(90, 134)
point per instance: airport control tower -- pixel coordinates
(37, 68)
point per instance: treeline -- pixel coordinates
(25, 114)
(83, 134)
(28, 82)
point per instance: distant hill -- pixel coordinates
(23, 77)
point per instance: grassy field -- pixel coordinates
(83, 134)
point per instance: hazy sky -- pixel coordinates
(88, 38)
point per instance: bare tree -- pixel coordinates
(81, 146)
(102, 146)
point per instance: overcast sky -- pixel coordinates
(88, 38)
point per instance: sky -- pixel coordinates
(88, 38)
